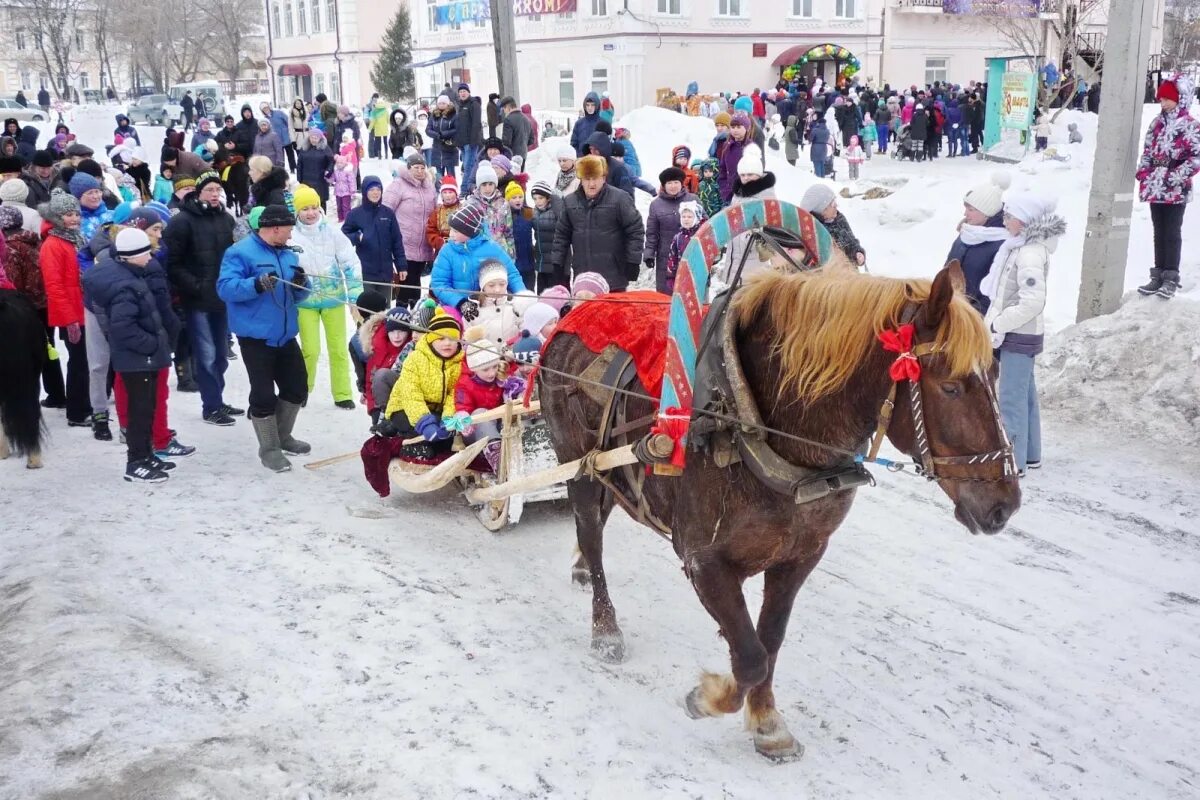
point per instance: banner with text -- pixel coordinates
(528, 8)
(1018, 93)
(992, 8)
(463, 11)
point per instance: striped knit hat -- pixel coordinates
(542, 188)
(468, 220)
(444, 326)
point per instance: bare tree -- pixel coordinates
(1181, 34)
(1055, 35)
(52, 25)
(232, 23)
(102, 17)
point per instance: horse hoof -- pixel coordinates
(581, 578)
(33, 463)
(779, 750)
(609, 649)
(694, 704)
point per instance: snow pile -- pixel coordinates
(1136, 371)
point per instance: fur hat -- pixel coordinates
(556, 297)
(276, 216)
(468, 220)
(817, 198)
(1028, 206)
(591, 167)
(988, 198)
(444, 326)
(10, 217)
(542, 188)
(486, 173)
(722, 118)
(482, 355)
(43, 158)
(565, 151)
(60, 203)
(371, 300)
(671, 174)
(492, 270)
(205, 178)
(501, 161)
(14, 190)
(538, 316)
(80, 183)
(513, 190)
(592, 282)
(132, 242)
(396, 319)
(448, 182)
(304, 197)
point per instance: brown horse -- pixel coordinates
(808, 345)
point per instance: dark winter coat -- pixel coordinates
(403, 135)
(470, 123)
(244, 134)
(272, 189)
(312, 165)
(343, 125)
(494, 117)
(843, 237)
(43, 98)
(373, 231)
(618, 173)
(517, 133)
(976, 261)
(196, 239)
(585, 126)
(522, 232)
(27, 144)
(39, 190)
(605, 234)
(545, 223)
(138, 321)
(441, 130)
(847, 119)
(919, 127)
(126, 130)
(662, 223)
(730, 154)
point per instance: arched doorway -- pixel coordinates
(832, 63)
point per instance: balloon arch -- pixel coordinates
(847, 63)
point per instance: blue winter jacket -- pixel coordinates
(456, 269)
(976, 261)
(819, 138)
(632, 162)
(281, 126)
(90, 221)
(373, 231)
(953, 114)
(585, 126)
(133, 305)
(271, 315)
(523, 242)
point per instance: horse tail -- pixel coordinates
(21, 359)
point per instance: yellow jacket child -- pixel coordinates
(424, 393)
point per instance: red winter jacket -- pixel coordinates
(60, 274)
(472, 394)
(383, 355)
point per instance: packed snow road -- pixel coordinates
(237, 634)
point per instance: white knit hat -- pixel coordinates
(486, 174)
(751, 164)
(132, 242)
(14, 191)
(1027, 206)
(817, 198)
(538, 316)
(482, 355)
(565, 150)
(988, 198)
(492, 270)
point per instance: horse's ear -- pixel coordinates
(957, 279)
(940, 295)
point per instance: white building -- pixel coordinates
(633, 48)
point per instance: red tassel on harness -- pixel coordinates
(906, 366)
(674, 423)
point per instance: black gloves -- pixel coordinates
(265, 283)
(387, 428)
(649, 262)
(299, 276)
(469, 309)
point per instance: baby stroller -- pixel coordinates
(906, 147)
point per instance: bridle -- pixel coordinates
(991, 467)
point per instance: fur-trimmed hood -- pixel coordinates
(1045, 230)
(366, 334)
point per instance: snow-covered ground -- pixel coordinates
(239, 634)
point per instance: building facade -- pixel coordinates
(633, 49)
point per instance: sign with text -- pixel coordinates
(992, 8)
(528, 8)
(463, 11)
(1018, 93)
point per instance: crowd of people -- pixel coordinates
(135, 274)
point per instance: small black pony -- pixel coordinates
(21, 358)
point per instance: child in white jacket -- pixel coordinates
(1016, 285)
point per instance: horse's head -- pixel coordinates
(948, 419)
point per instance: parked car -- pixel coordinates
(214, 100)
(11, 108)
(148, 110)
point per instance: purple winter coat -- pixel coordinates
(412, 203)
(662, 223)
(728, 158)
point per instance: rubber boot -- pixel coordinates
(1156, 282)
(286, 412)
(1170, 283)
(269, 451)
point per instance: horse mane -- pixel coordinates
(825, 322)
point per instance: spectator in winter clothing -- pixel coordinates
(315, 163)
(262, 283)
(27, 144)
(662, 223)
(468, 134)
(793, 140)
(188, 105)
(387, 339)
(681, 156)
(327, 113)
(411, 196)
(424, 393)
(1016, 285)
(455, 275)
(245, 133)
(494, 117)
(58, 261)
(821, 149)
(441, 130)
(617, 174)
(548, 206)
(566, 181)
(402, 135)
(373, 231)
(297, 131)
(282, 128)
(125, 129)
(15, 194)
(516, 132)
(601, 227)
(196, 239)
(202, 135)
(1170, 162)
(821, 202)
(585, 126)
(269, 182)
(437, 227)
(497, 214)
(753, 183)
(267, 143)
(743, 133)
(979, 236)
(522, 228)
(478, 390)
(527, 110)
(184, 163)
(631, 161)
(691, 217)
(335, 277)
(710, 189)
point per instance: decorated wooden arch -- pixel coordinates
(826, 52)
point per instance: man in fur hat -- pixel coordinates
(601, 227)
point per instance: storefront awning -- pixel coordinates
(445, 55)
(791, 55)
(295, 70)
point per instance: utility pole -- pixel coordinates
(504, 37)
(1110, 207)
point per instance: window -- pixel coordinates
(566, 88)
(288, 28)
(26, 79)
(330, 16)
(320, 83)
(668, 6)
(275, 26)
(79, 40)
(335, 88)
(302, 16)
(600, 80)
(732, 8)
(42, 82)
(802, 8)
(846, 9)
(599, 8)
(431, 8)
(937, 69)
(84, 81)
(20, 34)
(316, 16)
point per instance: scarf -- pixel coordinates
(73, 236)
(972, 235)
(990, 282)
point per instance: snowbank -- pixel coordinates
(1135, 372)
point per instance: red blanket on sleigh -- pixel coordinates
(639, 328)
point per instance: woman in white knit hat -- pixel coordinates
(753, 182)
(980, 234)
(1016, 286)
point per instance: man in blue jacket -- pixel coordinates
(455, 276)
(375, 234)
(585, 126)
(261, 282)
